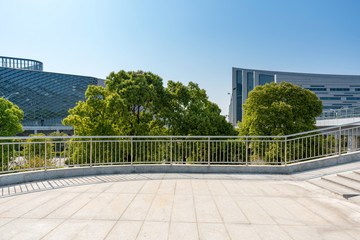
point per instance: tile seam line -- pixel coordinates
(147, 212)
(193, 198)
(19, 217)
(232, 198)
(171, 212)
(68, 218)
(279, 225)
(217, 208)
(118, 220)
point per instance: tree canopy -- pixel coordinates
(191, 112)
(10, 118)
(279, 109)
(136, 103)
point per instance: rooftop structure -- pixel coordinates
(21, 63)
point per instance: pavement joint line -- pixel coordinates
(67, 218)
(194, 176)
(217, 208)
(147, 212)
(59, 207)
(56, 195)
(171, 212)
(201, 222)
(304, 205)
(196, 217)
(232, 198)
(259, 205)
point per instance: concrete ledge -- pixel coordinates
(30, 176)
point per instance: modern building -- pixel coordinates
(335, 91)
(45, 97)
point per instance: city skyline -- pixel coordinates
(184, 41)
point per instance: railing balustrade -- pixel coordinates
(340, 113)
(34, 153)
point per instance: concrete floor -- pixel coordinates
(177, 206)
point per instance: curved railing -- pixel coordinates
(21, 63)
(340, 113)
(30, 153)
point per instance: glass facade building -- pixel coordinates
(45, 97)
(335, 91)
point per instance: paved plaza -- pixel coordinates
(178, 206)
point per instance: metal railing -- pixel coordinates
(31, 153)
(340, 113)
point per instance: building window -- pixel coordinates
(317, 89)
(331, 107)
(238, 95)
(250, 82)
(340, 89)
(330, 98)
(264, 79)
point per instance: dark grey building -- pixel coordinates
(335, 91)
(45, 97)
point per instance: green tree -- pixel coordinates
(140, 97)
(136, 103)
(93, 117)
(128, 105)
(10, 118)
(279, 109)
(190, 112)
(10, 124)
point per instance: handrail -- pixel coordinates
(323, 129)
(353, 112)
(47, 152)
(174, 136)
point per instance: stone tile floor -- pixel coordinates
(178, 206)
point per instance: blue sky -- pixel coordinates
(185, 40)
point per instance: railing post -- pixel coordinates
(285, 151)
(171, 151)
(339, 141)
(209, 151)
(246, 150)
(91, 152)
(131, 139)
(45, 156)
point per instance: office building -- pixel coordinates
(335, 91)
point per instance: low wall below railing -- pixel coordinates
(41, 175)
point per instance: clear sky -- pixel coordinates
(185, 40)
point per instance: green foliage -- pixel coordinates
(10, 118)
(34, 150)
(140, 97)
(279, 109)
(17, 155)
(137, 104)
(93, 117)
(10, 124)
(7, 154)
(128, 105)
(36, 147)
(191, 113)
